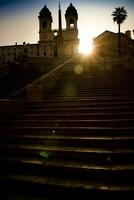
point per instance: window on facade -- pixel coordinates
(38, 53)
(44, 24)
(45, 53)
(71, 23)
(25, 50)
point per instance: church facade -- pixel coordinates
(52, 42)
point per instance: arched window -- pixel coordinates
(71, 23)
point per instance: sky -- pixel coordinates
(19, 18)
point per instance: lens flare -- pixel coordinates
(78, 69)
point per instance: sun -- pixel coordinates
(85, 46)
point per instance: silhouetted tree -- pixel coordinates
(119, 15)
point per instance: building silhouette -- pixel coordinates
(106, 44)
(52, 43)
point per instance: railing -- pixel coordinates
(38, 89)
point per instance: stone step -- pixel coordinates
(55, 188)
(82, 108)
(90, 101)
(86, 110)
(61, 114)
(113, 174)
(128, 122)
(89, 95)
(83, 154)
(81, 105)
(92, 91)
(73, 136)
(75, 141)
(88, 91)
(69, 131)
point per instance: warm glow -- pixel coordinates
(86, 46)
(78, 69)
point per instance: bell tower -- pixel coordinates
(45, 24)
(71, 17)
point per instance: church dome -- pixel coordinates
(71, 10)
(45, 12)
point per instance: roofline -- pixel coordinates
(18, 45)
(112, 33)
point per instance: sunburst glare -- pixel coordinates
(86, 45)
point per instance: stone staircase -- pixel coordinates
(78, 142)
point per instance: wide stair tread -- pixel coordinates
(78, 140)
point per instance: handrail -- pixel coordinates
(41, 79)
(11, 105)
(52, 71)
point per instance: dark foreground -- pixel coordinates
(76, 143)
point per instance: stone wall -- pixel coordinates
(45, 64)
(8, 108)
(4, 70)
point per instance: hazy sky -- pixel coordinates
(19, 18)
